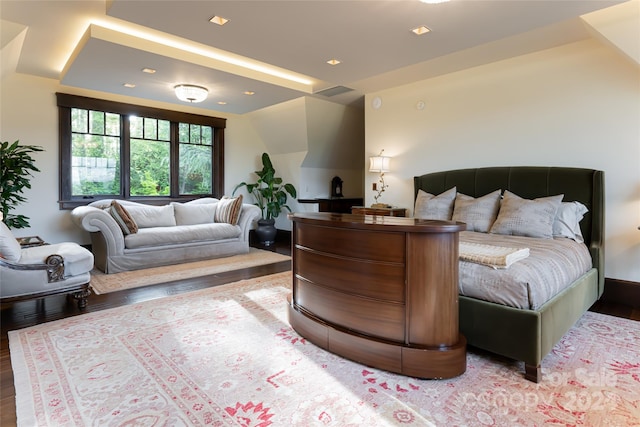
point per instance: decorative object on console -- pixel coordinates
(336, 187)
(191, 93)
(379, 164)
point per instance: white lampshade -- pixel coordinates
(191, 93)
(379, 164)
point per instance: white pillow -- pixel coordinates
(567, 221)
(152, 216)
(429, 206)
(190, 214)
(9, 247)
(525, 217)
(478, 213)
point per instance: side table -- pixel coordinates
(363, 210)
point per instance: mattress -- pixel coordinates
(551, 266)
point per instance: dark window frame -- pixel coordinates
(66, 102)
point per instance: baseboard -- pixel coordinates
(621, 292)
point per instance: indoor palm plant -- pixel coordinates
(16, 167)
(271, 196)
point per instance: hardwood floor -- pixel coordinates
(28, 313)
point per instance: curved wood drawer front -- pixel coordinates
(369, 245)
(383, 281)
(366, 316)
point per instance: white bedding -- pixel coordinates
(552, 265)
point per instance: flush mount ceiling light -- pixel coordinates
(434, 1)
(420, 30)
(149, 70)
(219, 20)
(333, 61)
(249, 92)
(191, 93)
(129, 85)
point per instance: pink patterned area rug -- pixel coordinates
(226, 356)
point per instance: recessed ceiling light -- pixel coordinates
(130, 85)
(333, 61)
(222, 103)
(249, 92)
(218, 20)
(421, 30)
(148, 70)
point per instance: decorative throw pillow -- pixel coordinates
(122, 217)
(9, 246)
(190, 214)
(152, 216)
(524, 217)
(228, 210)
(480, 213)
(567, 221)
(429, 206)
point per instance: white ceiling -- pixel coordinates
(100, 45)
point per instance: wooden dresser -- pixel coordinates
(379, 290)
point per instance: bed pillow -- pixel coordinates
(123, 218)
(429, 206)
(191, 214)
(567, 221)
(228, 210)
(479, 214)
(9, 247)
(525, 217)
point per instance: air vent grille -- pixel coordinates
(333, 91)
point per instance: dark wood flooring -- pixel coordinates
(28, 313)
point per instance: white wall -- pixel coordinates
(28, 113)
(576, 105)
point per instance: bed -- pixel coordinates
(529, 334)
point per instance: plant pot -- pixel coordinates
(266, 231)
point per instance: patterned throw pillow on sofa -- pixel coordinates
(122, 217)
(228, 210)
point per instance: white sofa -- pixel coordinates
(169, 234)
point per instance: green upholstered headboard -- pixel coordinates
(583, 185)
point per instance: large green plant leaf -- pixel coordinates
(16, 167)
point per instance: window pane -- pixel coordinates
(164, 130)
(135, 127)
(207, 135)
(95, 165)
(195, 169)
(149, 170)
(194, 136)
(150, 128)
(96, 122)
(79, 120)
(112, 124)
(183, 131)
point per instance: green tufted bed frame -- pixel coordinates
(529, 335)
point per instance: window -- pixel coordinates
(115, 150)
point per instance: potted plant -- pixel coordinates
(271, 197)
(16, 167)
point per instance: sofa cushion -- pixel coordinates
(163, 236)
(478, 213)
(152, 216)
(9, 246)
(77, 260)
(190, 214)
(228, 210)
(122, 217)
